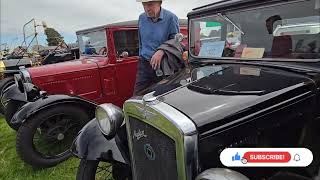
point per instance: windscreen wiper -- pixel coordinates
(208, 90)
(230, 21)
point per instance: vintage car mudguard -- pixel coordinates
(90, 144)
(13, 93)
(46, 102)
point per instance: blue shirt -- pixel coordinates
(153, 34)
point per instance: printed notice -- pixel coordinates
(252, 52)
(212, 49)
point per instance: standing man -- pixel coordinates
(156, 25)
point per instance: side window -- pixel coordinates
(303, 33)
(93, 43)
(126, 41)
(287, 31)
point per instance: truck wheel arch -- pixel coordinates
(90, 110)
(32, 108)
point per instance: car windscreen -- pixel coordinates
(93, 43)
(288, 31)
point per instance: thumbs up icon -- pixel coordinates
(296, 157)
(236, 157)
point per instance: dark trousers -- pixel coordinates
(146, 76)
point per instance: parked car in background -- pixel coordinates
(31, 56)
(59, 99)
(261, 91)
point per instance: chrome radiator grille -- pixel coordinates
(154, 153)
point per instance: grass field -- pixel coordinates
(12, 168)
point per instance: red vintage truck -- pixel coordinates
(58, 100)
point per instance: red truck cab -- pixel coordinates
(106, 71)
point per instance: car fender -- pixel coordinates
(46, 102)
(90, 144)
(13, 93)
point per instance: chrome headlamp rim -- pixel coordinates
(114, 116)
(30, 91)
(25, 75)
(18, 82)
(99, 121)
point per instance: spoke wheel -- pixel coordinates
(55, 134)
(44, 140)
(98, 170)
(104, 171)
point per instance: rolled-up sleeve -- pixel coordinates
(174, 27)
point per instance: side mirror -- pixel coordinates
(124, 54)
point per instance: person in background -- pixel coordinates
(281, 45)
(156, 25)
(89, 49)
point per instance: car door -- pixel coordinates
(118, 81)
(127, 55)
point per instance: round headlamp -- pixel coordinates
(18, 82)
(25, 75)
(31, 91)
(110, 118)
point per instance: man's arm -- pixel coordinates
(139, 36)
(174, 27)
(172, 31)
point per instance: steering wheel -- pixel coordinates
(102, 51)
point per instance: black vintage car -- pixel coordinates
(253, 80)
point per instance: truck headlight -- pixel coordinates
(18, 82)
(31, 91)
(110, 118)
(25, 75)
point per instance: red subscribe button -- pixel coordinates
(267, 157)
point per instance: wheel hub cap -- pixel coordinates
(60, 136)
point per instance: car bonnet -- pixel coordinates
(234, 90)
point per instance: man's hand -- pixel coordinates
(156, 59)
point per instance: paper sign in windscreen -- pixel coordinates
(212, 49)
(252, 52)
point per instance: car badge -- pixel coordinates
(149, 152)
(139, 134)
(146, 114)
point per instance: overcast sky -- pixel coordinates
(68, 16)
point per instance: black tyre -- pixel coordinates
(44, 140)
(12, 107)
(4, 84)
(96, 170)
